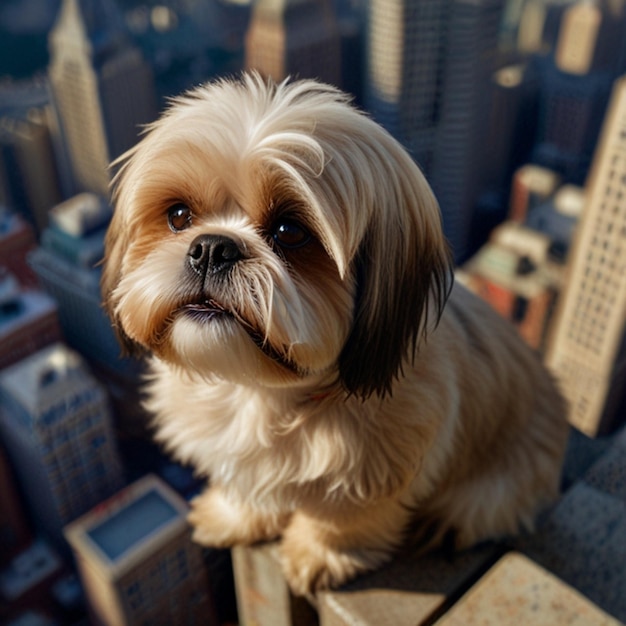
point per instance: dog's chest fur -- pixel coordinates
(278, 453)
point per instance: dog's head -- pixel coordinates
(272, 233)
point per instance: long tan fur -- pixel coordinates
(319, 386)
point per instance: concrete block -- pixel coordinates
(518, 591)
(263, 596)
(406, 592)
(583, 542)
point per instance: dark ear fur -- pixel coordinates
(400, 289)
(373, 354)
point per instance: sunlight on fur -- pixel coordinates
(280, 258)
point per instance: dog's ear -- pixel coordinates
(403, 273)
(116, 243)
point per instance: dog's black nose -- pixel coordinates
(211, 254)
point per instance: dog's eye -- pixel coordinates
(179, 217)
(290, 234)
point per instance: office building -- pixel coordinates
(558, 218)
(298, 38)
(28, 320)
(509, 139)
(17, 239)
(531, 186)
(428, 75)
(575, 87)
(459, 155)
(405, 48)
(67, 264)
(57, 430)
(586, 351)
(102, 88)
(137, 562)
(14, 530)
(25, 581)
(188, 43)
(29, 162)
(351, 23)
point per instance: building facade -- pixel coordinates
(297, 38)
(102, 88)
(586, 351)
(57, 429)
(137, 562)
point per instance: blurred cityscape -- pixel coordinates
(514, 109)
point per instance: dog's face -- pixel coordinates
(274, 235)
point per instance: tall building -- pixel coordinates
(102, 88)
(28, 160)
(404, 63)
(190, 42)
(137, 562)
(586, 350)
(29, 163)
(14, 531)
(512, 114)
(28, 320)
(298, 38)
(575, 87)
(429, 69)
(17, 239)
(57, 429)
(68, 266)
(351, 21)
(459, 155)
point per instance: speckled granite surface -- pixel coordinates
(407, 591)
(572, 570)
(518, 591)
(583, 541)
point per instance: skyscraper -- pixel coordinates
(28, 320)
(29, 166)
(459, 155)
(575, 88)
(137, 562)
(588, 333)
(17, 239)
(57, 430)
(102, 88)
(14, 531)
(404, 63)
(298, 38)
(429, 69)
(68, 266)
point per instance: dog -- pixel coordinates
(280, 258)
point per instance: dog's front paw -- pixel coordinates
(219, 522)
(211, 527)
(311, 568)
(309, 564)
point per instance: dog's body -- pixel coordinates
(282, 258)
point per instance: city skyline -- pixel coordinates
(435, 93)
(500, 102)
(403, 67)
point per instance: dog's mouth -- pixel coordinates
(209, 310)
(206, 310)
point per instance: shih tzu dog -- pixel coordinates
(281, 258)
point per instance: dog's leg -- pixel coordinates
(220, 522)
(326, 551)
